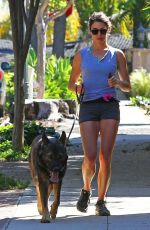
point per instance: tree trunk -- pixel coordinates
(136, 22)
(59, 36)
(41, 57)
(34, 42)
(18, 131)
(21, 41)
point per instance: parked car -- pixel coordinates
(3, 67)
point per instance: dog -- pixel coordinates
(48, 163)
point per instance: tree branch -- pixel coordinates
(24, 14)
(59, 13)
(14, 22)
(31, 19)
(20, 23)
(43, 6)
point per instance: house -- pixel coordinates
(6, 50)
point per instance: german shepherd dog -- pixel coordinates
(48, 163)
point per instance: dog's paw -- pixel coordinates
(53, 215)
(45, 219)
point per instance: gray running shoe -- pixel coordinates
(101, 209)
(84, 200)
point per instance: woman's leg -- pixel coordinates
(108, 132)
(89, 134)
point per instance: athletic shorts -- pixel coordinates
(99, 109)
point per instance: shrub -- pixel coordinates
(9, 76)
(9, 154)
(32, 58)
(31, 130)
(6, 133)
(140, 82)
(56, 78)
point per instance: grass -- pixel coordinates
(9, 183)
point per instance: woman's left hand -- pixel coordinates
(113, 81)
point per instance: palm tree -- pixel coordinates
(125, 15)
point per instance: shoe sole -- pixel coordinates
(81, 210)
(99, 214)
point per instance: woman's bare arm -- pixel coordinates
(75, 73)
(123, 82)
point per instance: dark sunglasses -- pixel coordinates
(102, 31)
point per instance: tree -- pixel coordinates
(120, 22)
(72, 29)
(4, 20)
(42, 20)
(147, 9)
(59, 33)
(135, 10)
(59, 36)
(21, 35)
(87, 7)
(126, 15)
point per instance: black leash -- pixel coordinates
(72, 127)
(80, 96)
(79, 99)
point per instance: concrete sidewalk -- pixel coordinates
(129, 195)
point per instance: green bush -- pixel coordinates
(6, 133)
(31, 130)
(140, 82)
(9, 76)
(9, 154)
(57, 75)
(56, 78)
(32, 58)
(139, 100)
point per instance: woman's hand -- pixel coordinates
(79, 88)
(75, 74)
(124, 85)
(113, 81)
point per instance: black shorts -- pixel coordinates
(99, 109)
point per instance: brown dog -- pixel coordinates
(48, 162)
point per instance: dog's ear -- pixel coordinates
(45, 139)
(62, 139)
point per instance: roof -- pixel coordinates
(121, 42)
(6, 46)
(6, 50)
(115, 40)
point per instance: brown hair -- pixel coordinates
(100, 17)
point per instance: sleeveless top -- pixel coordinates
(95, 73)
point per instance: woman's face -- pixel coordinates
(98, 31)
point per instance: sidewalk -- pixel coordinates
(129, 195)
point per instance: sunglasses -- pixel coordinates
(102, 31)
